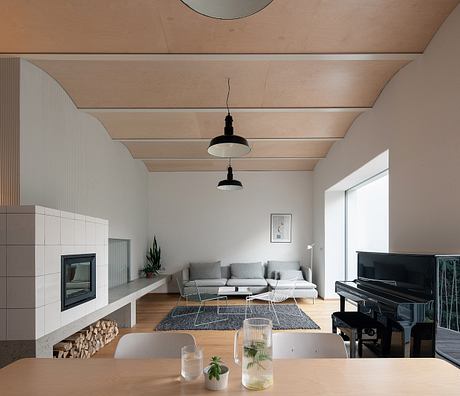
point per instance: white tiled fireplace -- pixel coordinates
(32, 241)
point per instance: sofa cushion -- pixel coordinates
(247, 270)
(205, 270)
(290, 275)
(301, 284)
(206, 282)
(274, 266)
(246, 282)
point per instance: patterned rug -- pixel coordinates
(288, 315)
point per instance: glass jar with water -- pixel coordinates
(256, 361)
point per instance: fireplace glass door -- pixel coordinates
(78, 280)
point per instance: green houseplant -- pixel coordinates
(152, 266)
(216, 374)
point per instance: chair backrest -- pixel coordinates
(152, 345)
(287, 345)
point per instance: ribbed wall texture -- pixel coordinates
(118, 262)
(9, 131)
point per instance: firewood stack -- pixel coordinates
(86, 342)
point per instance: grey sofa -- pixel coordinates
(255, 276)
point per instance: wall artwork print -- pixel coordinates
(281, 227)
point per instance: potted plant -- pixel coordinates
(152, 266)
(216, 374)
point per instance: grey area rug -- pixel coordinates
(288, 315)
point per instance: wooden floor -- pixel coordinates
(152, 308)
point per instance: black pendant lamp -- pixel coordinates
(229, 184)
(228, 145)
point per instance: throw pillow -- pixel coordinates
(247, 270)
(205, 271)
(290, 275)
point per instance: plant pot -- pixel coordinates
(149, 274)
(213, 384)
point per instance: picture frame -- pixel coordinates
(281, 228)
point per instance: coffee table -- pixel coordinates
(240, 291)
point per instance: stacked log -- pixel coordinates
(85, 343)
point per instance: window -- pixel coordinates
(366, 220)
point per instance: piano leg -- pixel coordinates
(342, 304)
(406, 334)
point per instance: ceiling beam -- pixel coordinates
(233, 159)
(224, 110)
(217, 57)
(190, 140)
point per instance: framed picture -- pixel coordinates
(280, 228)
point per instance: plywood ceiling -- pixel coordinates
(154, 72)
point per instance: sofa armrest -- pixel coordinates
(185, 275)
(306, 273)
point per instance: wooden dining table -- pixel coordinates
(337, 377)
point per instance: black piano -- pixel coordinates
(399, 290)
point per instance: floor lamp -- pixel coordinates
(310, 248)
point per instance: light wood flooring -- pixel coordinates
(152, 308)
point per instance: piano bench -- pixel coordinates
(353, 324)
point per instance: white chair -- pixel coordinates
(152, 345)
(289, 345)
(276, 296)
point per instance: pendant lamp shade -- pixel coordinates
(229, 184)
(228, 145)
(227, 9)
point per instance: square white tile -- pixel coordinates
(39, 291)
(39, 260)
(52, 317)
(100, 234)
(21, 209)
(2, 292)
(39, 229)
(102, 275)
(20, 324)
(90, 233)
(2, 229)
(80, 232)
(20, 291)
(39, 322)
(52, 259)
(52, 212)
(20, 260)
(67, 215)
(52, 288)
(2, 260)
(2, 324)
(20, 229)
(67, 231)
(52, 230)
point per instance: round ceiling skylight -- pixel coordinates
(227, 9)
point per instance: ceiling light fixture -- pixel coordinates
(229, 184)
(227, 9)
(228, 145)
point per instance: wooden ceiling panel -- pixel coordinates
(161, 26)
(173, 84)
(197, 165)
(183, 125)
(259, 149)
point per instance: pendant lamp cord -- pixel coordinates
(228, 94)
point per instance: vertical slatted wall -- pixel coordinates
(118, 262)
(9, 131)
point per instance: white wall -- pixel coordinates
(194, 221)
(417, 118)
(69, 162)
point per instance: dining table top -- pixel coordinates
(370, 377)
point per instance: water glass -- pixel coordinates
(191, 362)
